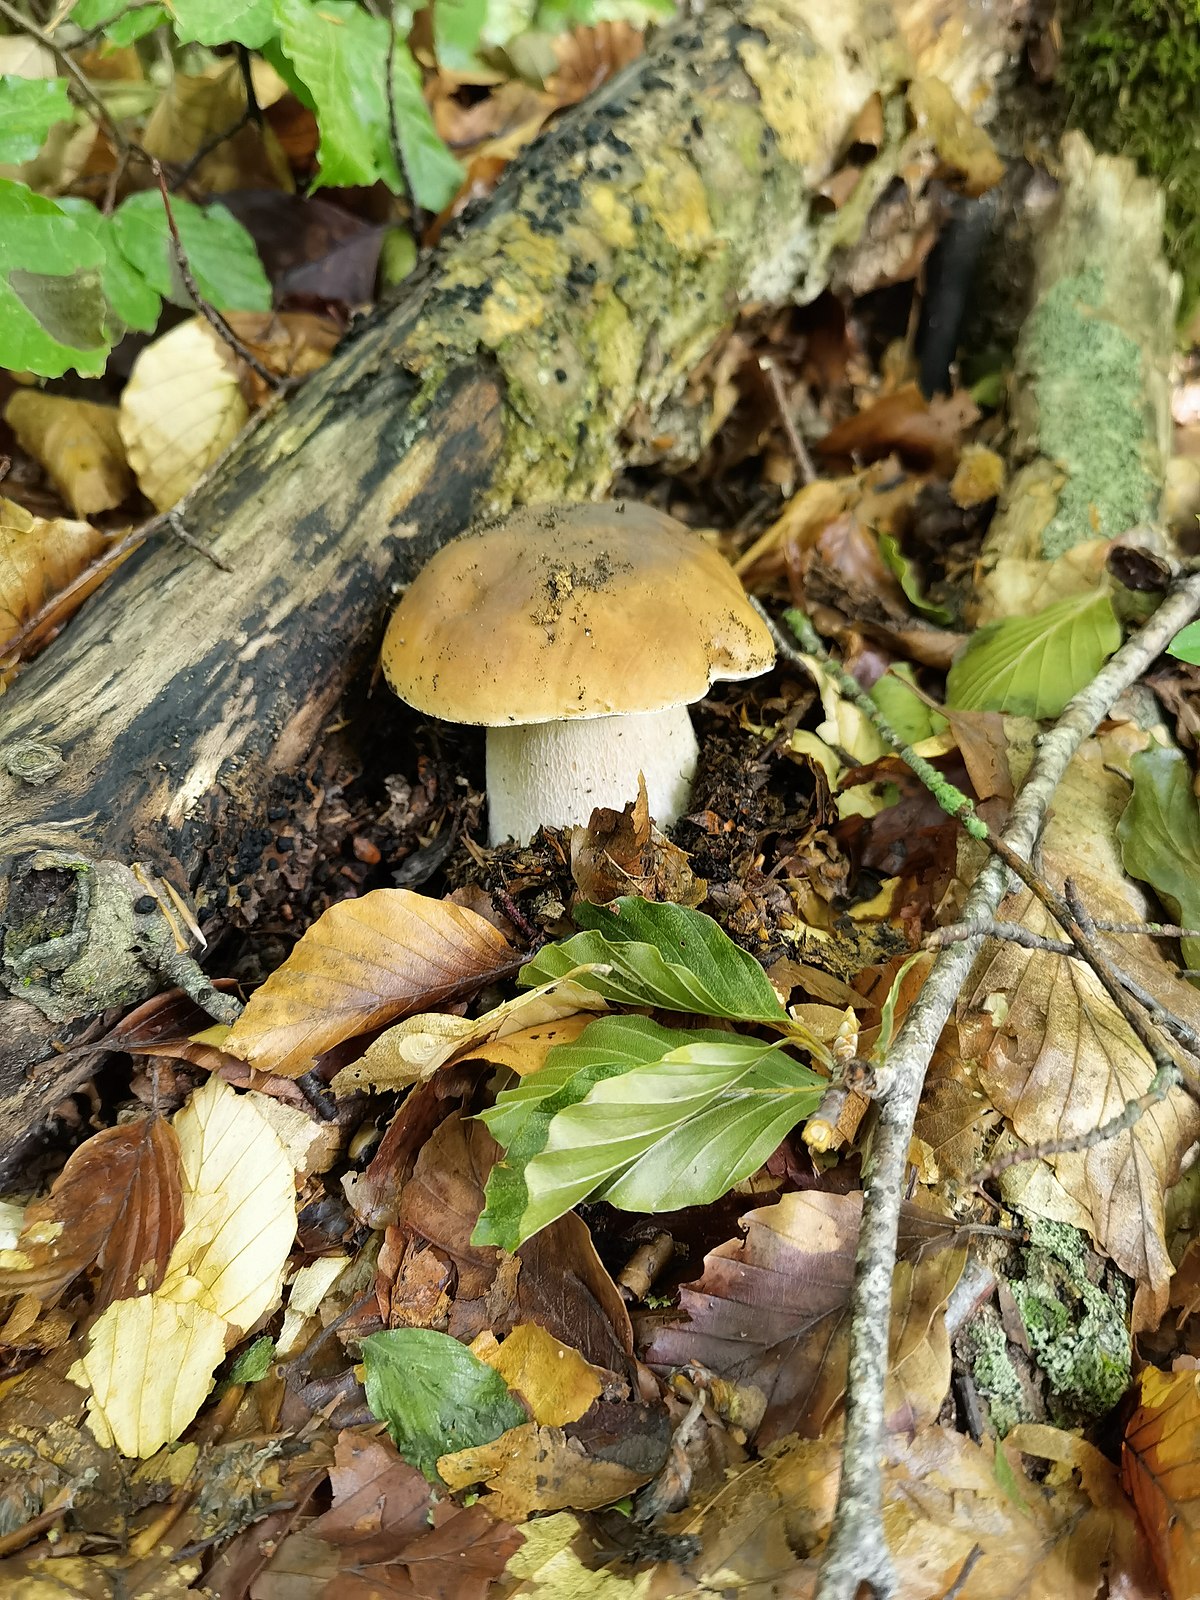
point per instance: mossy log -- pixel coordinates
(613, 254)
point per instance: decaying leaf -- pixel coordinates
(150, 1360)
(361, 964)
(193, 111)
(37, 559)
(772, 1311)
(928, 433)
(1160, 1463)
(622, 852)
(180, 410)
(79, 445)
(554, 1380)
(413, 1049)
(116, 1204)
(1054, 1054)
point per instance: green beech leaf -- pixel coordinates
(435, 1396)
(134, 304)
(338, 52)
(903, 570)
(660, 955)
(53, 314)
(220, 252)
(902, 707)
(1185, 646)
(457, 27)
(29, 108)
(1032, 666)
(1159, 835)
(248, 22)
(646, 1117)
(125, 23)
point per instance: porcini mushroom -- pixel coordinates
(578, 635)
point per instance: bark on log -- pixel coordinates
(609, 260)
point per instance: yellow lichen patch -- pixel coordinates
(611, 216)
(677, 199)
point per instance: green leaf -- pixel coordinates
(902, 569)
(1032, 666)
(646, 1117)
(1159, 835)
(254, 1362)
(902, 706)
(126, 24)
(29, 108)
(664, 956)
(53, 313)
(1185, 646)
(435, 1396)
(220, 252)
(339, 53)
(134, 304)
(457, 26)
(248, 22)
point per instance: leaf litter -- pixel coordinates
(239, 1317)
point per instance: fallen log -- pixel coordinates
(183, 696)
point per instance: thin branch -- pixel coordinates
(416, 210)
(209, 312)
(857, 1554)
(1129, 1115)
(804, 461)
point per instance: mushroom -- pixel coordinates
(578, 635)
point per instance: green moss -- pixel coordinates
(1132, 69)
(995, 1376)
(1078, 1334)
(1091, 404)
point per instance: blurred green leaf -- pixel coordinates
(1159, 835)
(1032, 666)
(248, 22)
(1185, 646)
(902, 707)
(29, 108)
(903, 570)
(661, 955)
(457, 27)
(53, 314)
(435, 1396)
(134, 304)
(220, 252)
(125, 24)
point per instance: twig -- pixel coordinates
(209, 312)
(1129, 1115)
(956, 1588)
(857, 1554)
(804, 462)
(415, 208)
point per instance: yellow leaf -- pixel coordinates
(554, 1380)
(37, 559)
(1160, 1462)
(361, 964)
(415, 1048)
(180, 410)
(532, 1469)
(78, 444)
(193, 110)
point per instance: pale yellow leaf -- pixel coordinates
(149, 1365)
(77, 443)
(239, 1205)
(38, 558)
(415, 1048)
(180, 410)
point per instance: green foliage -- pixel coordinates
(645, 1117)
(905, 573)
(1159, 835)
(53, 314)
(660, 955)
(435, 1396)
(902, 707)
(121, 25)
(1185, 646)
(1031, 666)
(254, 1362)
(219, 251)
(29, 108)
(1132, 71)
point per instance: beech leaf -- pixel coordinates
(1160, 836)
(364, 963)
(1032, 666)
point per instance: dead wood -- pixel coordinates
(184, 698)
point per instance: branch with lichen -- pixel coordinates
(857, 1554)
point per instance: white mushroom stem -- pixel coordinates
(556, 772)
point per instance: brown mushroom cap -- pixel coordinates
(571, 611)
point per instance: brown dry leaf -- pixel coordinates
(1160, 1464)
(965, 151)
(291, 344)
(531, 1469)
(116, 1204)
(363, 963)
(192, 111)
(38, 558)
(925, 433)
(77, 443)
(622, 852)
(1056, 1057)
(978, 478)
(384, 1536)
(526, 1050)
(415, 1048)
(181, 409)
(772, 1310)
(587, 57)
(556, 1383)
